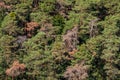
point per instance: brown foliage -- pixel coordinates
(16, 69)
(77, 72)
(30, 28)
(72, 52)
(2, 4)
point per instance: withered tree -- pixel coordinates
(71, 39)
(93, 30)
(15, 70)
(77, 72)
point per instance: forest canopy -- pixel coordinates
(59, 39)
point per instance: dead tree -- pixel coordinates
(30, 28)
(71, 39)
(3, 5)
(77, 72)
(93, 30)
(35, 3)
(21, 39)
(16, 69)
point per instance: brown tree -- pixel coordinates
(30, 28)
(2, 4)
(73, 52)
(16, 69)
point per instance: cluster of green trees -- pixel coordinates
(68, 39)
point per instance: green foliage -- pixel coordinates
(8, 19)
(6, 53)
(9, 25)
(74, 19)
(58, 22)
(47, 5)
(39, 17)
(2, 14)
(22, 10)
(11, 1)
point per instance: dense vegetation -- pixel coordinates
(59, 39)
